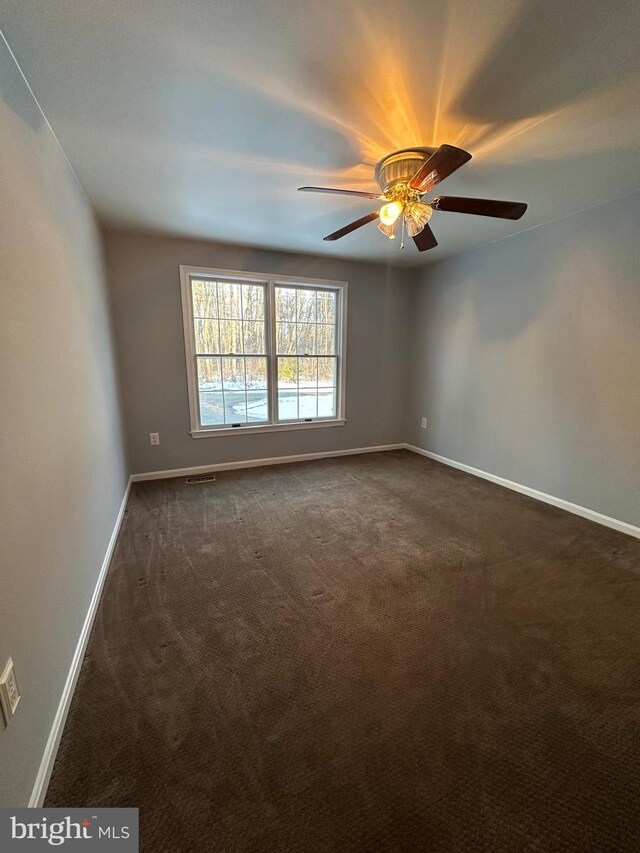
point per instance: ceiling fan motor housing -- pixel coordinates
(400, 166)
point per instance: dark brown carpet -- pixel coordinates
(373, 653)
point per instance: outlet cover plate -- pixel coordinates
(9, 692)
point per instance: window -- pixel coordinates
(262, 353)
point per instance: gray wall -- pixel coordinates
(63, 472)
(526, 359)
(145, 288)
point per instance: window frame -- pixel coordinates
(270, 282)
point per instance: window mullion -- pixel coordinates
(339, 346)
(272, 346)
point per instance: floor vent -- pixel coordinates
(201, 478)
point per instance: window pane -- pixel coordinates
(233, 374)
(306, 339)
(229, 300)
(308, 372)
(286, 338)
(306, 306)
(327, 402)
(326, 339)
(308, 404)
(204, 298)
(327, 372)
(230, 336)
(209, 384)
(209, 374)
(256, 373)
(257, 406)
(326, 306)
(207, 338)
(235, 404)
(253, 337)
(253, 302)
(211, 408)
(287, 405)
(287, 372)
(286, 304)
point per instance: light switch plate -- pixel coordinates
(9, 692)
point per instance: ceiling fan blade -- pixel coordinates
(365, 220)
(439, 166)
(338, 192)
(480, 206)
(426, 239)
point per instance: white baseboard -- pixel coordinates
(591, 514)
(258, 463)
(48, 759)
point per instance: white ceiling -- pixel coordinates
(202, 117)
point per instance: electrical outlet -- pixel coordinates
(9, 693)
(154, 438)
(424, 423)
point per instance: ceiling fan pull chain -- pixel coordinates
(402, 234)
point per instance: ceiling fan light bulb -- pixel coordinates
(390, 212)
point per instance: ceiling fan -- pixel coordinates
(405, 177)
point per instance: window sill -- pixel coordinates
(251, 430)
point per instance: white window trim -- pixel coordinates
(198, 431)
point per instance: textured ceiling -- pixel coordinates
(202, 118)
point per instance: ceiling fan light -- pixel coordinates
(413, 227)
(390, 212)
(387, 230)
(419, 213)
